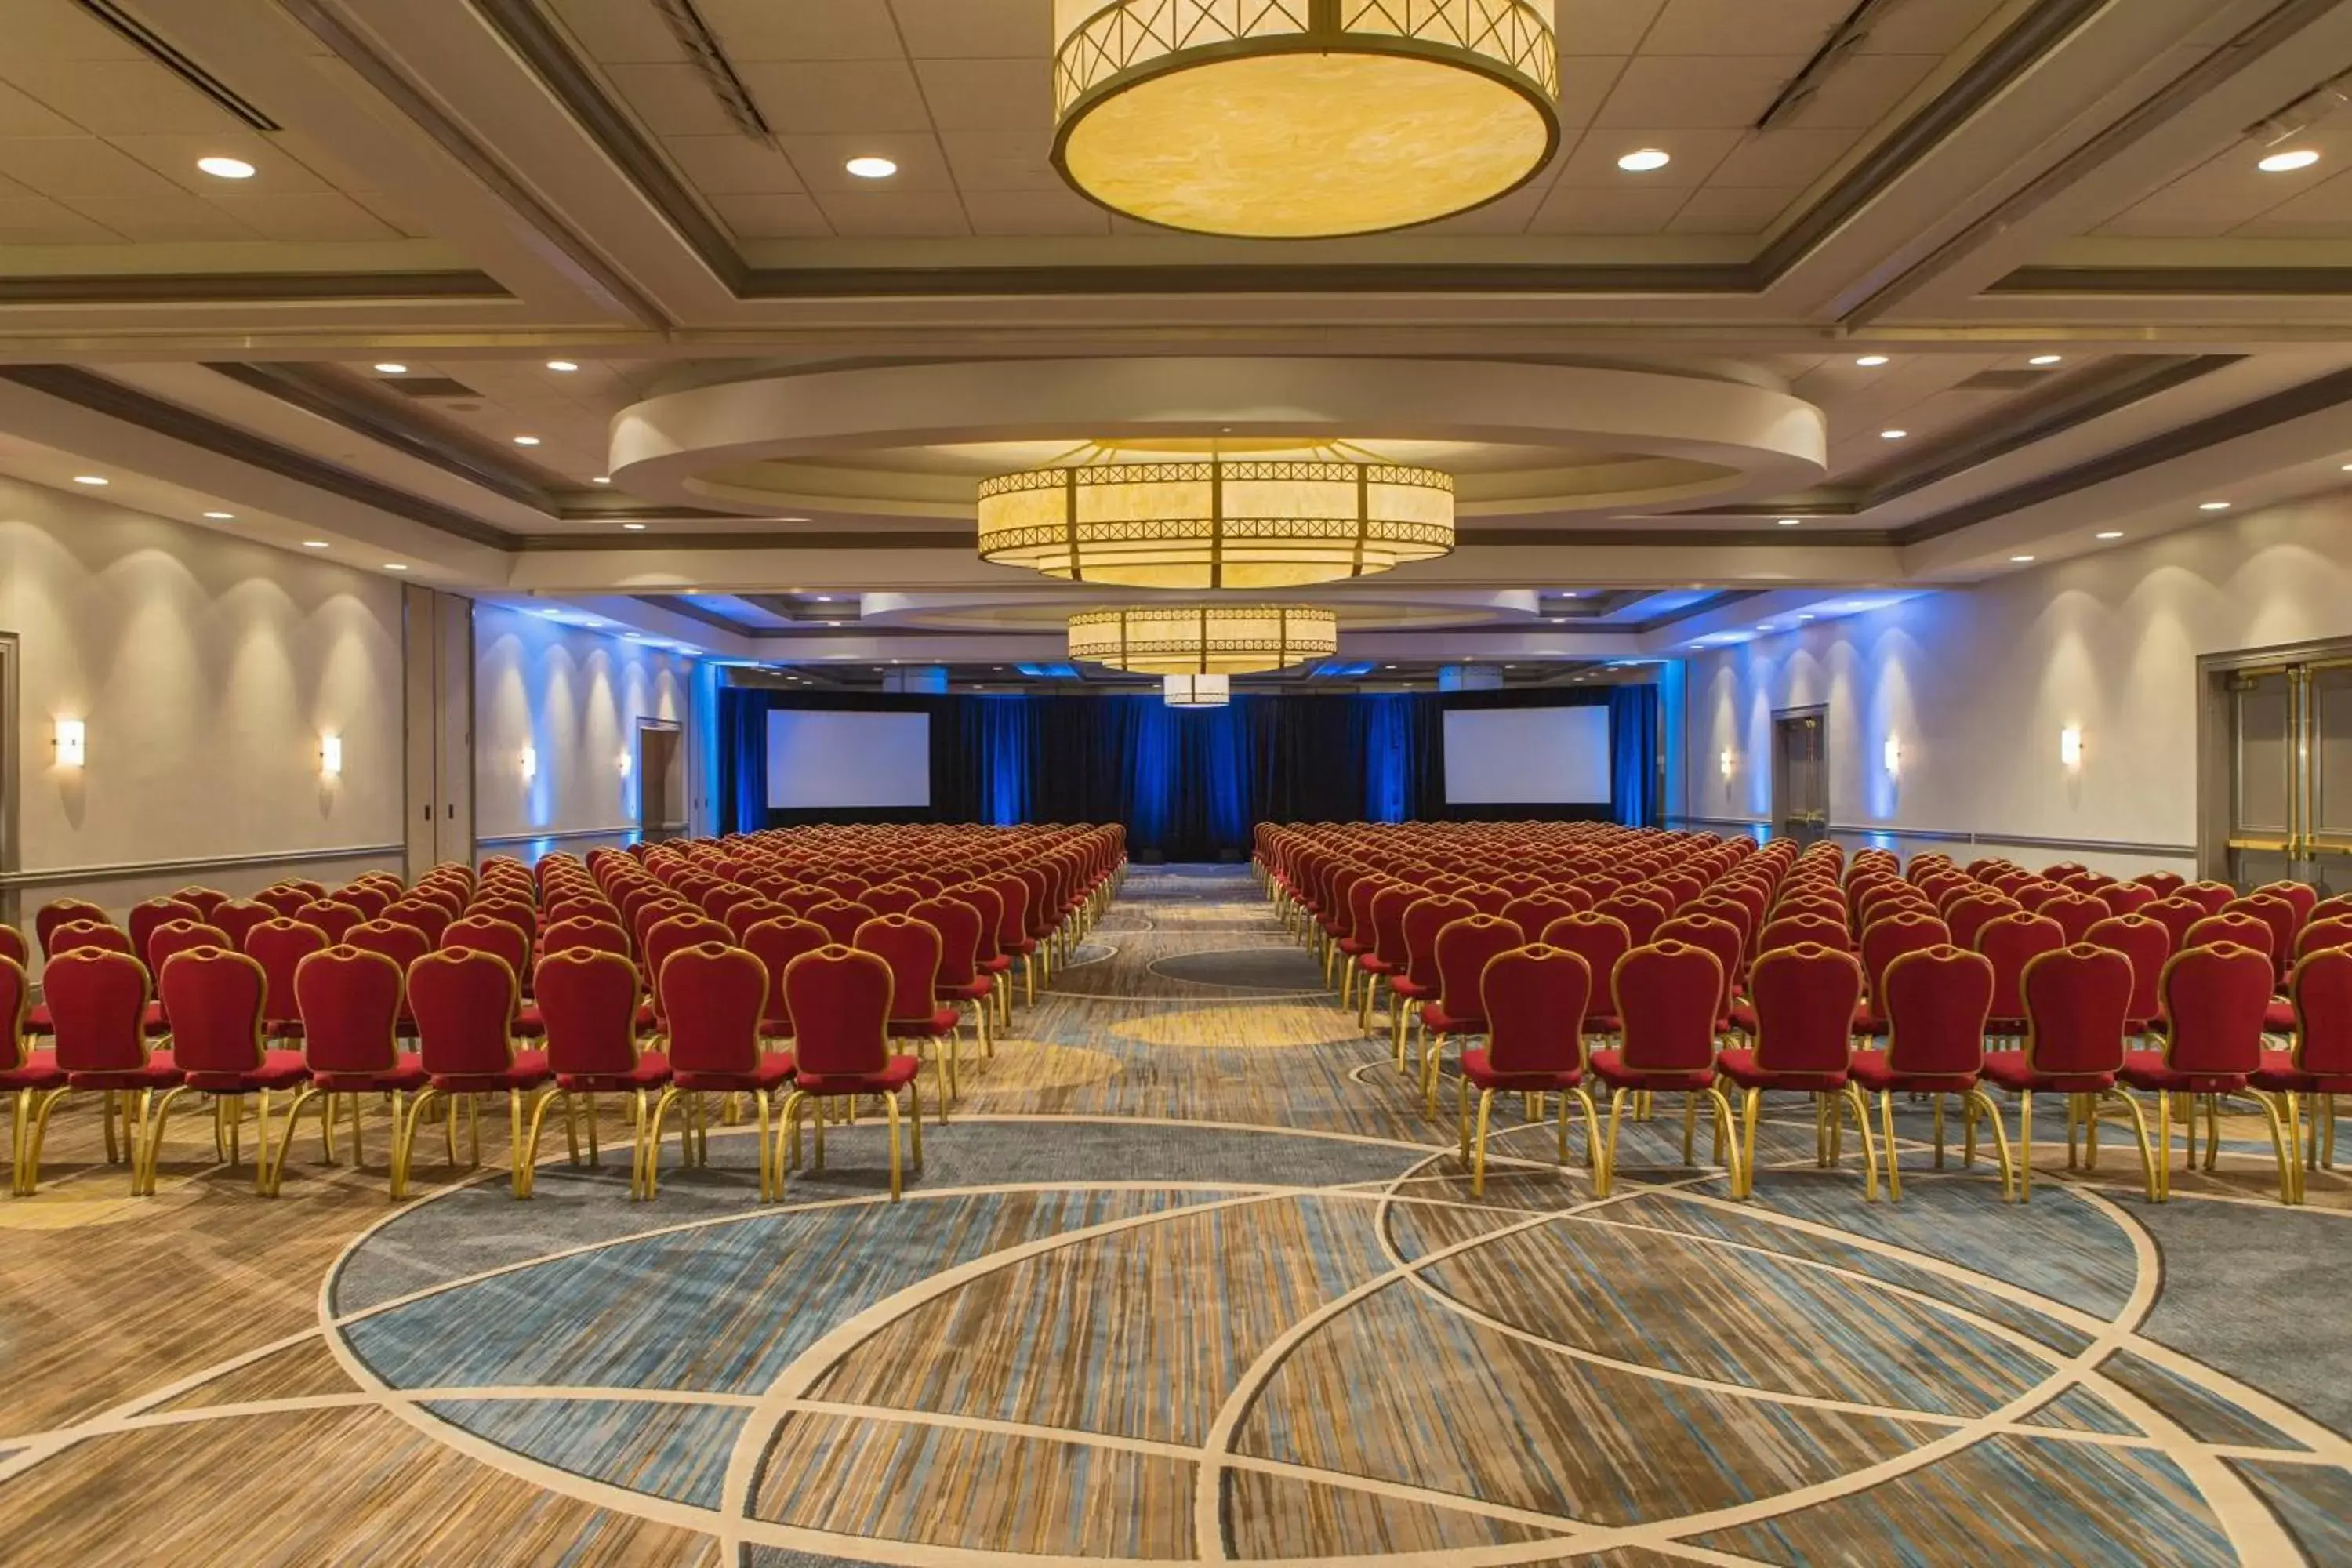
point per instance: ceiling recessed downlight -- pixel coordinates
(314, 544)
(526, 440)
(389, 368)
(2109, 533)
(634, 527)
(562, 367)
(1893, 435)
(220, 516)
(89, 479)
(2045, 359)
(2286, 163)
(871, 168)
(2021, 559)
(1870, 361)
(601, 480)
(226, 168)
(394, 566)
(1790, 522)
(1645, 159)
(2213, 506)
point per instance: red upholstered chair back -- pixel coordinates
(2166, 883)
(2279, 915)
(74, 936)
(1805, 997)
(1010, 891)
(1936, 1001)
(148, 913)
(840, 918)
(1534, 1000)
(98, 1008)
(984, 902)
(651, 912)
(2012, 941)
(449, 899)
(843, 885)
(1969, 915)
(238, 917)
(279, 946)
(1533, 911)
(331, 916)
(1360, 894)
(369, 898)
(775, 943)
(2176, 915)
(1639, 916)
(588, 999)
(1731, 912)
(958, 924)
(1486, 898)
(723, 898)
(424, 917)
(1719, 937)
(1666, 995)
(1465, 948)
(2127, 898)
(176, 937)
(465, 1000)
(1904, 931)
(930, 887)
(205, 899)
(2318, 934)
(1788, 930)
(1601, 940)
(583, 931)
(213, 998)
(1518, 884)
(911, 948)
(840, 1000)
(1388, 905)
(2302, 897)
(2077, 1006)
(2210, 897)
(2337, 908)
(282, 900)
(2322, 989)
(2147, 945)
(513, 911)
(350, 1000)
(16, 1005)
(890, 898)
(1423, 918)
(11, 946)
(2214, 999)
(2237, 927)
(2075, 912)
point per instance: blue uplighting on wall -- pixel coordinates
(1049, 671)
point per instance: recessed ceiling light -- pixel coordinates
(1893, 435)
(601, 480)
(393, 566)
(634, 527)
(1645, 159)
(2021, 559)
(871, 168)
(2288, 162)
(389, 368)
(2213, 506)
(551, 615)
(238, 169)
(1763, 625)
(2045, 359)
(1804, 617)
(1790, 522)
(1870, 361)
(314, 544)
(222, 516)
(562, 364)
(2110, 533)
(526, 440)
(89, 479)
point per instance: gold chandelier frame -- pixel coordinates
(1204, 639)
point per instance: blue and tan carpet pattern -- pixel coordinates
(1187, 1277)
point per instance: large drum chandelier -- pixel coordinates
(1296, 119)
(1196, 690)
(1216, 522)
(1204, 639)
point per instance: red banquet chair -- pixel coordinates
(1464, 949)
(98, 1006)
(465, 1000)
(1936, 1000)
(588, 1003)
(1601, 940)
(840, 918)
(2012, 942)
(912, 950)
(59, 912)
(23, 1072)
(150, 913)
(715, 1047)
(1418, 983)
(2147, 945)
(2319, 1061)
(775, 943)
(1389, 955)
(960, 979)
(840, 1003)
(1534, 1000)
(236, 918)
(1665, 996)
(2076, 1001)
(352, 1002)
(2214, 999)
(214, 997)
(279, 946)
(1805, 997)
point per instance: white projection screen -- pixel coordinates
(1526, 756)
(820, 760)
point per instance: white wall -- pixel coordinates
(205, 670)
(1977, 685)
(574, 697)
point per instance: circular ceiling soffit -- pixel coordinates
(918, 441)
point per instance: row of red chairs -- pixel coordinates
(1628, 893)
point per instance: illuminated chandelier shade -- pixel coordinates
(1301, 119)
(1204, 639)
(1216, 522)
(1196, 690)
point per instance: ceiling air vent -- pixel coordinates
(178, 64)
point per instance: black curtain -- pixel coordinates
(1189, 784)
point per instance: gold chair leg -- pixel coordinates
(891, 1109)
(404, 1139)
(1857, 1102)
(767, 1154)
(21, 1128)
(1478, 1166)
(1752, 1104)
(1980, 1106)
(518, 1166)
(1592, 1129)
(2163, 1120)
(1740, 1171)
(2283, 1146)
(2212, 1132)
(1939, 1137)
(261, 1143)
(2148, 1160)
(915, 1116)
(1607, 1174)
(148, 1149)
(788, 1130)
(277, 1166)
(2025, 1147)
(1432, 1053)
(524, 1149)
(105, 1108)
(1893, 1150)
(1690, 1125)
(30, 1180)
(649, 1138)
(1462, 1117)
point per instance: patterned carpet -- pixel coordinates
(1186, 1278)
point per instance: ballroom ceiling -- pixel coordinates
(484, 240)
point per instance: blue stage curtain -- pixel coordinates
(1633, 754)
(743, 759)
(1000, 735)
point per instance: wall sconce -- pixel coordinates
(69, 739)
(625, 764)
(1894, 755)
(530, 764)
(2070, 746)
(330, 756)
(1727, 761)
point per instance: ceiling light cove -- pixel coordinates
(1301, 119)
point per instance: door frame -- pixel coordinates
(1819, 713)
(650, 832)
(2216, 758)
